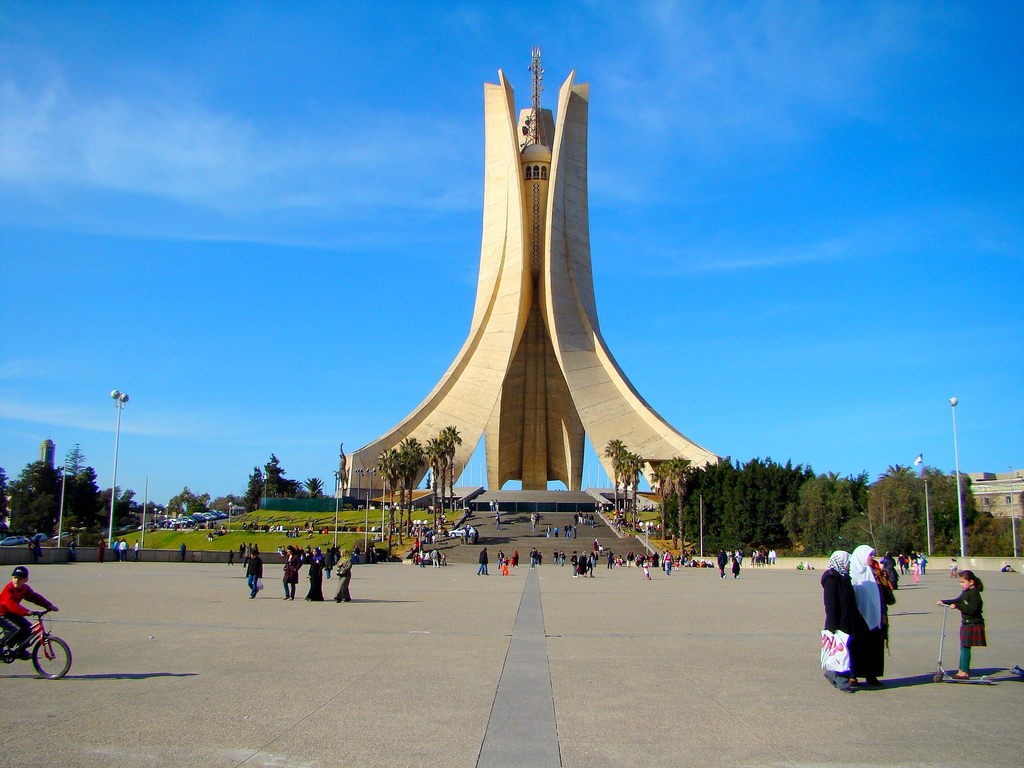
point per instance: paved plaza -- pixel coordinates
(175, 666)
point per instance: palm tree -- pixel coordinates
(662, 485)
(435, 455)
(674, 472)
(896, 470)
(389, 469)
(410, 453)
(315, 487)
(632, 466)
(614, 451)
(452, 440)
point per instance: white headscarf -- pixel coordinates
(865, 588)
(840, 562)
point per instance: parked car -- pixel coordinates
(457, 533)
(15, 541)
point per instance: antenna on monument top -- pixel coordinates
(536, 134)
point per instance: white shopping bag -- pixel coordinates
(835, 651)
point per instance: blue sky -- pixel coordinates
(262, 222)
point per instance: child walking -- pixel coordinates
(972, 623)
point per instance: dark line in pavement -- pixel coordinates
(521, 728)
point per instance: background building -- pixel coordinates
(999, 493)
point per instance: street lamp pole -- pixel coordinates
(701, 529)
(959, 496)
(366, 513)
(64, 482)
(145, 503)
(927, 517)
(337, 490)
(1013, 514)
(119, 398)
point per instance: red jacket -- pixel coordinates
(11, 597)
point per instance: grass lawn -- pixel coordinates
(350, 520)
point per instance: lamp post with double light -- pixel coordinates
(119, 398)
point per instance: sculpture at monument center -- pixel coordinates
(534, 376)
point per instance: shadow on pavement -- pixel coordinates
(131, 675)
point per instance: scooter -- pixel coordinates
(942, 676)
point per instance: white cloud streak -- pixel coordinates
(53, 141)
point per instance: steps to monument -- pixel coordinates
(517, 534)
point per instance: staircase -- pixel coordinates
(517, 534)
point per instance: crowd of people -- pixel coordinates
(318, 563)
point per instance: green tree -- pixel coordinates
(452, 440)
(614, 452)
(253, 498)
(188, 503)
(671, 478)
(390, 470)
(3, 498)
(34, 499)
(826, 503)
(126, 510)
(744, 504)
(315, 488)
(435, 454)
(222, 503)
(410, 453)
(632, 466)
(277, 485)
(83, 507)
(896, 511)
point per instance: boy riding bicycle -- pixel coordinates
(17, 630)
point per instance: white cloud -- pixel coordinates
(55, 142)
(724, 82)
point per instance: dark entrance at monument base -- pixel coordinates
(570, 502)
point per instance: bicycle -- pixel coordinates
(50, 655)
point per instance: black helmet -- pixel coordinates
(21, 572)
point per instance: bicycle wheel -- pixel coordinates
(52, 658)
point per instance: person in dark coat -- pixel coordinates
(344, 577)
(871, 622)
(840, 607)
(316, 577)
(292, 565)
(723, 560)
(972, 623)
(483, 563)
(254, 572)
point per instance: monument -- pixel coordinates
(535, 377)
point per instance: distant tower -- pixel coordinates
(46, 452)
(535, 376)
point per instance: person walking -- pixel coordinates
(723, 559)
(737, 558)
(344, 577)
(972, 623)
(316, 577)
(840, 608)
(183, 548)
(482, 570)
(254, 573)
(292, 565)
(871, 623)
